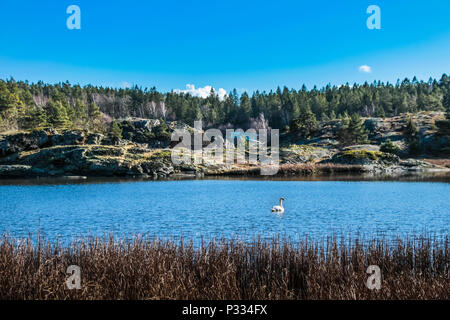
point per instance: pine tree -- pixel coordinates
(11, 108)
(115, 130)
(94, 118)
(352, 131)
(80, 112)
(389, 147)
(332, 115)
(93, 111)
(39, 118)
(34, 118)
(305, 124)
(57, 114)
(444, 125)
(357, 130)
(446, 101)
(411, 132)
(194, 113)
(379, 112)
(245, 108)
(8, 100)
(18, 101)
(411, 129)
(324, 117)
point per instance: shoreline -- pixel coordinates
(431, 176)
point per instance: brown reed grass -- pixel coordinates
(227, 269)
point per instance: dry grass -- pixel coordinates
(321, 168)
(439, 162)
(226, 269)
(300, 169)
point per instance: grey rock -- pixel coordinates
(188, 168)
(368, 147)
(68, 138)
(157, 168)
(414, 163)
(364, 157)
(94, 138)
(11, 159)
(106, 167)
(22, 142)
(373, 124)
(146, 123)
(114, 141)
(15, 171)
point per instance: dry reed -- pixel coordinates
(140, 268)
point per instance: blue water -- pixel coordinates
(226, 208)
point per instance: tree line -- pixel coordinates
(27, 106)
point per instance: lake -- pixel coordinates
(226, 208)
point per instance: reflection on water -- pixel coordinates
(425, 177)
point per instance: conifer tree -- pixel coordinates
(57, 114)
(115, 130)
(305, 124)
(352, 131)
(411, 129)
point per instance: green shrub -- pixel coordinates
(116, 130)
(389, 147)
(363, 154)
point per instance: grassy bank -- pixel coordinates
(226, 269)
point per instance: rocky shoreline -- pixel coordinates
(75, 153)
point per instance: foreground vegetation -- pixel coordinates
(226, 269)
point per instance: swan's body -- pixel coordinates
(279, 209)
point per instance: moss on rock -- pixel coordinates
(365, 157)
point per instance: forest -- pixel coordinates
(29, 106)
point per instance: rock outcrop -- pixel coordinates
(364, 157)
(144, 151)
(91, 160)
(68, 138)
(15, 171)
(153, 132)
(10, 144)
(295, 154)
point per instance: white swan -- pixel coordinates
(280, 208)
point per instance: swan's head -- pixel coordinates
(282, 198)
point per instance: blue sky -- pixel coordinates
(246, 45)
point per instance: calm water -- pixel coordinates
(230, 208)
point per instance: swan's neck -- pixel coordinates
(281, 203)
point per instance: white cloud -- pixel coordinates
(365, 68)
(125, 85)
(202, 92)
